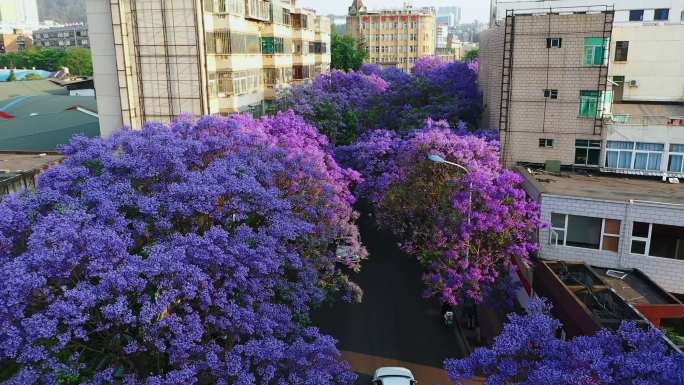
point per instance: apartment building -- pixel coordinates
(393, 37)
(637, 102)
(544, 76)
(157, 59)
(62, 37)
(15, 41)
(612, 161)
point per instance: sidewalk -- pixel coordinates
(425, 375)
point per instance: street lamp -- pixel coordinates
(439, 159)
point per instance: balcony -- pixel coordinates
(258, 10)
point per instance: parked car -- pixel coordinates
(393, 376)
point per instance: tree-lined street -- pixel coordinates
(394, 321)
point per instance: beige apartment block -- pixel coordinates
(157, 59)
(393, 37)
(544, 80)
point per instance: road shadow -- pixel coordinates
(394, 321)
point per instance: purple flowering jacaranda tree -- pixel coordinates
(188, 254)
(339, 103)
(528, 352)
(467, 229)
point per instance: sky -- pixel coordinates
(471, 9)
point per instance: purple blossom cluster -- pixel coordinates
(338, 103)
(467, 229)
(347, 105)
(528, 352)
(182, 254)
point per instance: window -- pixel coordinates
(276, 76)
(273, 45)
(589, 104)
(637, 156)
(225, 6)
(648, 156)
(662, 14)
(681, 17)
(553, 94)
(545, 142)
(595, 51)
(225, 83)
(619, 154)
(553, 42)
(621, 48)
(636, 15)
(656, 240)
(676, 160)
(610, 235)
(258, 9)
(226, 42)
(585, 232)
(587, 152)
(641, 234)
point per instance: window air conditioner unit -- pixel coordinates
(634, 83)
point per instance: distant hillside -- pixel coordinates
(62, 11)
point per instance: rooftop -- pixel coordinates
(42, 123)
(12, 163)
(636, 287)
(609, 297)
(610, 187)
(606, 307)
(30, 88)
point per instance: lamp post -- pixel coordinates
(439, 159)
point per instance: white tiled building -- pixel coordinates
(613, 222)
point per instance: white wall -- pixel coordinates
(19, 14)
(655, 59)
(621, 6)
(101, 34)
(669, 273)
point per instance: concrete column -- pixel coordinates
(101, 31)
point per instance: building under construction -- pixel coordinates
(544, 75)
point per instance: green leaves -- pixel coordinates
(346, 54)
(78, 60)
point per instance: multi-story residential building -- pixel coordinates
(544, 79)
(607, 107)
(640, 63)
(15, 41)
(157, 59)
(393, 37)
(62, 37)
(18, 14)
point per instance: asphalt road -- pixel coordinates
(393, 321)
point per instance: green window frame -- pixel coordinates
(592, 103)
(589, 104)
(595, 51)
(268, 45)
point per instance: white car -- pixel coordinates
(345, 255)
(393, 376)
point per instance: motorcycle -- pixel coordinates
(447, 315)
